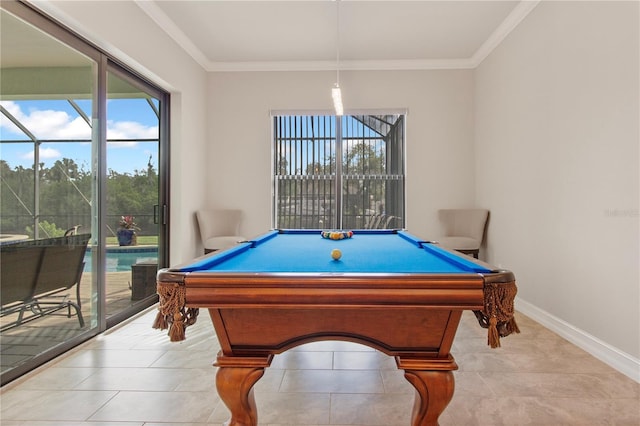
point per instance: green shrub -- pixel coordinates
(47, 230)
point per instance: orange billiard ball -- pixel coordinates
(336, 254)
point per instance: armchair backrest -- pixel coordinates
(464, 222)
(218, 222)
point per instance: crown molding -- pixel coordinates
(167, 25)
(388, 65)
(512, 20)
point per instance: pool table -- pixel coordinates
(389, 290)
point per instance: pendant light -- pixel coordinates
(336, 93)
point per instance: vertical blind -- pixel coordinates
(338, 172)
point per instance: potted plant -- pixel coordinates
(127, 231)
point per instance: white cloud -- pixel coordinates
(5, 124)
(59, 125)
(47, 123)
(45, 154)
(50, 153)
(130, 130)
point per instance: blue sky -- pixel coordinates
(57, 120)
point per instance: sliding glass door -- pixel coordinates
(132, 192)
(83, 145)
(48, 105)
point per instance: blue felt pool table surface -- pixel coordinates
(302, 251)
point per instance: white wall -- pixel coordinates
(440, 157)
(125, 31)
(557, 163)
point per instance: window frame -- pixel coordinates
(394, 169)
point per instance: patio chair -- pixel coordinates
(18, 275)
(72, 231)
(60, 270)
(37, 276)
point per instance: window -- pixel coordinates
(315, 188)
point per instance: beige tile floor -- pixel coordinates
(133, 376)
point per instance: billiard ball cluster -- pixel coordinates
(337, 235)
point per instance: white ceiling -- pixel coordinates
(310, 34)
(240, 35)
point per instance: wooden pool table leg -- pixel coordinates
(234, 380)
(434, 384)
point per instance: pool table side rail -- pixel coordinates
(321, 290)
(490, 296)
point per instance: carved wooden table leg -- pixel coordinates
(234, 380)
(434, 384)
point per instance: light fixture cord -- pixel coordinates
(338, 43)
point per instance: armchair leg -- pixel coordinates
(473, 253)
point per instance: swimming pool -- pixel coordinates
(121, 259)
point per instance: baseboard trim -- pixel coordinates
(621, 361)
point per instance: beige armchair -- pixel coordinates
(463, 229)
(219, 228)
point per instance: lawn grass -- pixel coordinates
(142, 240)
